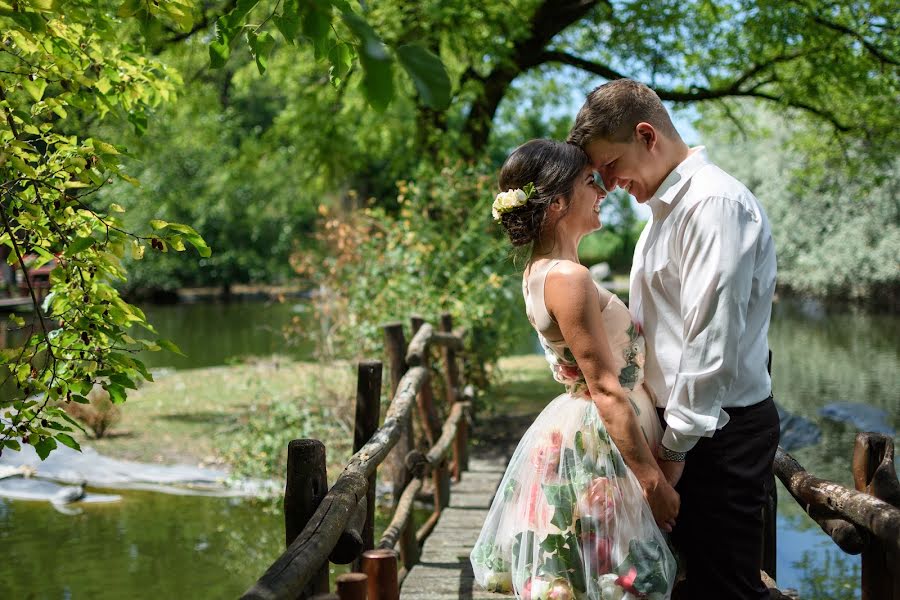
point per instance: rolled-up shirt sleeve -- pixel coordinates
(717, 260)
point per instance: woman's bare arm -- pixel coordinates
(573, 302)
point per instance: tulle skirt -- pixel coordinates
(569, 520)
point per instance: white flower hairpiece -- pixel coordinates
(510, 200)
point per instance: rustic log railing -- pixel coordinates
(862, 521)
(337, 524)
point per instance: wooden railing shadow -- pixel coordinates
(336, 525)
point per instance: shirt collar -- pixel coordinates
(674, 181)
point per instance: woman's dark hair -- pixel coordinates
(553, 167)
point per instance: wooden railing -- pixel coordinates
(862, 521)
(337, 524)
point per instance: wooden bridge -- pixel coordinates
(336, 525)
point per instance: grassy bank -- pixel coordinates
(242, 416)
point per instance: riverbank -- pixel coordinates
(235, 416)
(240, 417)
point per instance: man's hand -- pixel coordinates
(664, 502)
(672, 470)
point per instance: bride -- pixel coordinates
(580, 509)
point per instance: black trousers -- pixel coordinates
(726, 480)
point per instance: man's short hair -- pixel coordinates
(612, 111)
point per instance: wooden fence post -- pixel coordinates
(307, 484)
(368, 413)
(431, 424)
(874, 473)
(460, 454)
(395, 344)
(352, 586)
(380, 567)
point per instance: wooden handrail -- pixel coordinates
(292, 570)
(336, 529)
(402, 515)
(448, 433)
(427, 336)
(418, 346)
(874, 516)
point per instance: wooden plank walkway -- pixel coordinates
(444, 571)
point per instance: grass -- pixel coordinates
(242, 416)
(195, 416)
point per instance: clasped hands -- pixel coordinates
(661, 495)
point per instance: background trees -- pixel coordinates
(356, 97)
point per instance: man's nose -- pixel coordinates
(609, 182)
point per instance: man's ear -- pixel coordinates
(646, 134)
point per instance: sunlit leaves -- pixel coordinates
(341, 36)
(56, 59)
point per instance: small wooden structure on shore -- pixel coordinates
(336, 524)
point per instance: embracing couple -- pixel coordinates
(664, 438)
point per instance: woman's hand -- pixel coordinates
(664, 502)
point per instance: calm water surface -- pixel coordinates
(160, 546)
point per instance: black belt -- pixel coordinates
(736, 411)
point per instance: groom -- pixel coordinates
(701, 287)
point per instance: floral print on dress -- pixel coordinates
(633, 352)
(570, 520)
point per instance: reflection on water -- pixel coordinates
(153, 546)
(215, 334)
(822, 357)
(147, 546)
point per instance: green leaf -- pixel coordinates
(218, 54)
(288, 21)
(562, 498)
(117, 392)
(44, 447)
(260, 48)
(341, 57)
(123, 380)
(79, 245)
(170, 346)
(378, 79)
(428, 74)
(646, 556)
(68, 440)
(35, 88)
(316, 22)
(158, 223)
(241, 9)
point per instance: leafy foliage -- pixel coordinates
(433, 255)
(56, 60)
(327, 25)
(833, 208)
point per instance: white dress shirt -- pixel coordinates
(701, 288)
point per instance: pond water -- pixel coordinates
(159, 546)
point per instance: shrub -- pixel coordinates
(436, 251)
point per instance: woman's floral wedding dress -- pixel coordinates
(569, 520)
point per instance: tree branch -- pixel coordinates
(208, 18)
(696, 93)
(814, 14)
(549, 19)
(581, 63)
